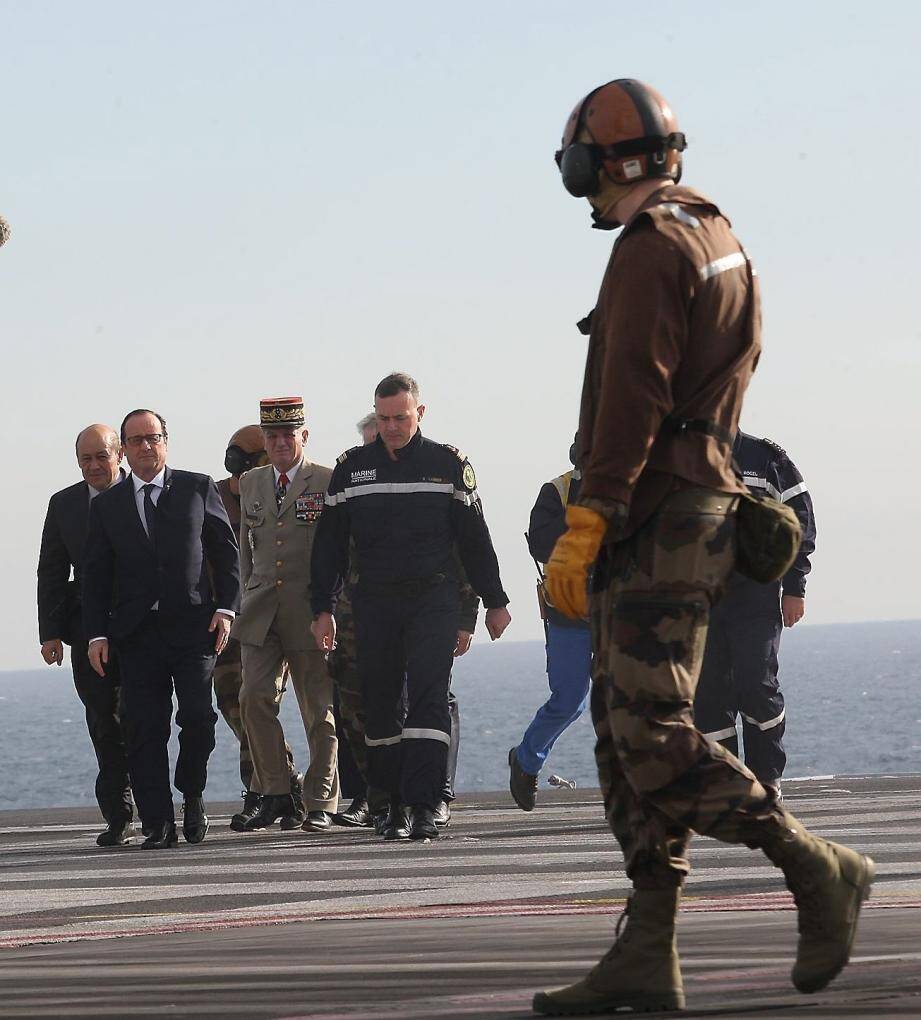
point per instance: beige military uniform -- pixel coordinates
(274, 624)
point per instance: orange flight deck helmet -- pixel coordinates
(624, 128)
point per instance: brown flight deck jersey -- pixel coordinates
(677, 306)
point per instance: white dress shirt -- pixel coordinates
(292, 474)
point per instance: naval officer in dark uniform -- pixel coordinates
(739, 673)
(405, 502)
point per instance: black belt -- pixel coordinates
(708, 428)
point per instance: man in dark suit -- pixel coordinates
(99, 454)
(161, 581)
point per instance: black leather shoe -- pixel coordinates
(396, 825)
(249, 808)
(194, 820)
(271, 807)
(118, 834)
(356, 816)
(443, 814)
(317, 821)
(297, 797)
(522, 784)
(379, 822)
(162, 836)
(423, 826)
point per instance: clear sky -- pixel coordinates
(213, 202)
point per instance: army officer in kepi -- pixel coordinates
(281, 504)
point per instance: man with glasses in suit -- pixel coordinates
(161, 583)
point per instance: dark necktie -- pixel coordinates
(281, 490)
(150, 512)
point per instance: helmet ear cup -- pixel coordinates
(579, 166)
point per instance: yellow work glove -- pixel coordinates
(566, 576)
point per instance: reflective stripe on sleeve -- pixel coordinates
(794, 490)
(467, 498)
(419, 733)
(717, 266)
(717, 735)
(382, 741)
(769, 725)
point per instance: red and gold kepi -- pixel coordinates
(276, 411)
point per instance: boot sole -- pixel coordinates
(862, 885)
(544, 1004)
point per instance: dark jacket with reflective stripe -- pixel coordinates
(766, 469)
(405, 518)
(547, 524)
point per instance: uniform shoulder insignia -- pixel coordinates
(774, 446)
(469, 476)
(462, 457)
(667, 211)
(348, 453)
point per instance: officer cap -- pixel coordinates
(276, 411)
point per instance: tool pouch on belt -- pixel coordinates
(768, 536)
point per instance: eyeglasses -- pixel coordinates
(153, 438)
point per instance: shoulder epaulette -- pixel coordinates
(347, 454)
(462, 457)
(774, 446)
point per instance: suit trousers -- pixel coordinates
(260, 697)
(157, 656)
(101, 696)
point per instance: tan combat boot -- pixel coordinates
(639, 971)
(829, 883)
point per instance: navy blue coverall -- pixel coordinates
(739, 674)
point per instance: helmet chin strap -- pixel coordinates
(605, 199)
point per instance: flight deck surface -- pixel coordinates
(341, 924)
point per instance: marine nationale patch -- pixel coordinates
(469, 477)
(309, 506)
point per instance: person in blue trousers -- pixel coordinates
(569, 647)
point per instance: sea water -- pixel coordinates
(853, 694)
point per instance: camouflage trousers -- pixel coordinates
(228, 679)
(661, 778)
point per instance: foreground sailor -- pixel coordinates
(99, 454)
(161, 582)
(739, 673)
(674, 341)
(245, 451)
(281, 505)
(405, 501)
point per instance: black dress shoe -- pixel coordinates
(194, 820)
(443, 814)
(379, 822)
(272, 807)
(317, 821)
(249, 808)
(118, 834)
(357, 815)
(162, 836)
(396, 825)
(522, 784)
(297, 796)
(423, 826)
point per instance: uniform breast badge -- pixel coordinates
(309, 506)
